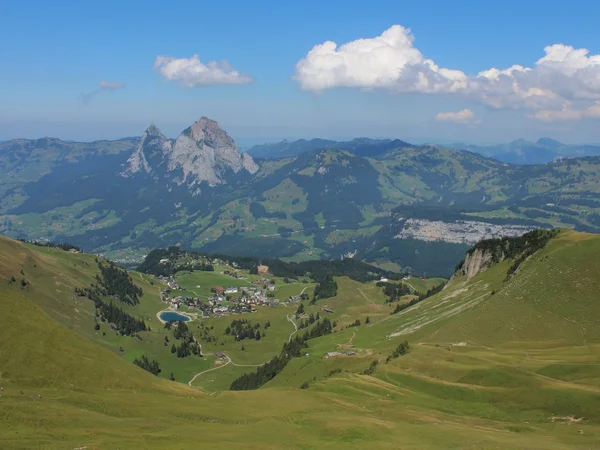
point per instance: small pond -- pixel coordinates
(172, 316)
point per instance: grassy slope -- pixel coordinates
(487, 371)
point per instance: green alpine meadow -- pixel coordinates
(503, 354)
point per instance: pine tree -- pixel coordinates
(173, 348)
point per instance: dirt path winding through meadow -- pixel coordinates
(352, 338)
(366, 298)
(295, 327)
(210, 370)
(229, 361)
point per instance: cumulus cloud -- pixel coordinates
(464, 116)
(103, 86)
(563, 76)
(190, 72)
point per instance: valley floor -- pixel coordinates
(493, 363)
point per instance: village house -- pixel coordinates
(231, 290)
(219, 290)
(164, 261)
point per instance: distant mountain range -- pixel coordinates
(360, 146)
(519, 151)
(385, 201)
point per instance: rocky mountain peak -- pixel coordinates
(153, 130)
(150, 152)
(202, 152)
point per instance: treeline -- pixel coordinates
(198, 266)
(290, 350)
(118, 283)
(151, 366)
(61, 245)
(318, 270)
(121, 321)
(242, 329)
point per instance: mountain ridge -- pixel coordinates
(203, 152)
(125, 197)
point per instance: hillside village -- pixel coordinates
(225, 301)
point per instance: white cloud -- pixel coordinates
(387, 61)
(565, 75)
(567, 113)
(190, 72)
(111, 85)
(103, 86)
(464, 116)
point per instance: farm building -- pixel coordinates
(219, 289)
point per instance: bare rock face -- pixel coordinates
(151, 152)
(202, 152)
(478, 261)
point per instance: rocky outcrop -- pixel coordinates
(476, 262)
(204, 152)
(151, 152)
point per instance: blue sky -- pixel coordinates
(88, 70)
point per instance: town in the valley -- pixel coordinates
(225, 300)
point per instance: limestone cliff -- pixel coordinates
(150, 153)
(477, 261)
(204, 152)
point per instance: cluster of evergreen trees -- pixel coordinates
(326, 288)
(150, 366)
(401, 350)
(62, 245)
(121, 321)
(306, 323)
(187, 344)
(291, 349)
(371, 369)
(356, 323)
(118, 283)
(394, 291)
(152, 264)
(242, 329)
